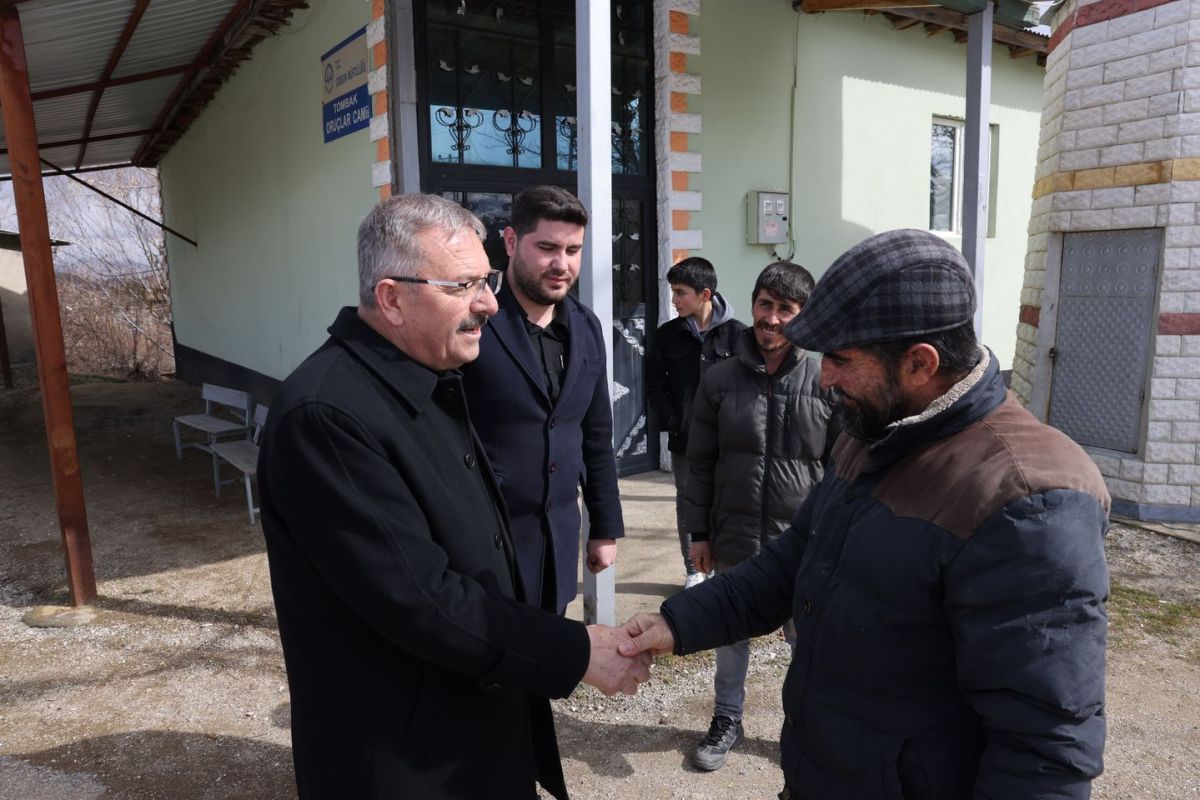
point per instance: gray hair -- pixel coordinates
(388, 242)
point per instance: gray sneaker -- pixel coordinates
(723, 734)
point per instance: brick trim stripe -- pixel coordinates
(683, 161)
(1179, 324)
(1100, 12)
(1143, 174)
(381, 152)
(1031, 315)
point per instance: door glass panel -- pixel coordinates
(495, 210)
(566, 129)
(629, 92)
(630, 436)
(485, 99)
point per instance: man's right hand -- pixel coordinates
(615, 664)
(650, 634)
(701, 555)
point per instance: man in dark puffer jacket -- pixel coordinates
(947, 578)
(755, 450)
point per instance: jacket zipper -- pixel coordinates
(766, 484)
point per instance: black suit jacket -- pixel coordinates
(415, 670)
(543, 452)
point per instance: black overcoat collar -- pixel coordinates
(413, 382)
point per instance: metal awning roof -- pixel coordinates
(1017, 23)
(117, 82)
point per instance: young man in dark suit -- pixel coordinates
(538, 395)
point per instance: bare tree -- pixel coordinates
(114, 293)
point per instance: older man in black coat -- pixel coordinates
(415, 669)
(539, 397)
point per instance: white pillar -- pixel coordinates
(593, 71)
(977, 155)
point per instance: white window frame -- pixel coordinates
(956, 187)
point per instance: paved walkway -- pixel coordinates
(649, 567)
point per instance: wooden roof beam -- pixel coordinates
(124, 79)
(1001, 34)
(933, 30)
(242, 12)
(114, 58)
(817, 6)
(1015, 51)
(901, 23)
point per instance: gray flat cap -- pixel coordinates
(891, 286)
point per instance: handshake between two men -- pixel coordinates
(621, 657)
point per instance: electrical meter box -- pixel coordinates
(767, 216)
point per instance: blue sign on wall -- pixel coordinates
(347, 114)
(345, 98)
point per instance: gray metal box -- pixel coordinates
(767, 215)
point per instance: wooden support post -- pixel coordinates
(593, 69)
(19, 129)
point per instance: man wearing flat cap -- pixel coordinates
(946, 578)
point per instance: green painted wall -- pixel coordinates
(865, 96)
(274, 210)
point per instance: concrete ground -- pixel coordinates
(177, 690)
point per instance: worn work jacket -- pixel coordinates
(947, 583)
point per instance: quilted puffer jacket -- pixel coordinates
(755, 449)
(948, 584)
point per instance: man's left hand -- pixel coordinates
(601, 554)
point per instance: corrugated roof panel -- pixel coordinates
(60, 156)
(171, 33)
(68, 42)
(134, 106)
(60, 118)
(118, 151)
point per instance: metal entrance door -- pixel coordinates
(1102, 344)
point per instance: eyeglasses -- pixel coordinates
(492, 280)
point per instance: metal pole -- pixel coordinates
(593, 69)
(43, 305)
(977, 155)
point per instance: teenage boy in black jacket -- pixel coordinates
(680, 351)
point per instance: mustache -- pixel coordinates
(473, 321)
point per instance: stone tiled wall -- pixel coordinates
(1120, 148)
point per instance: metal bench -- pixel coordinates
(243, 455)
(226, 415)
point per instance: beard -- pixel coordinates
(780, 341)
(868, 417)
(531, 285)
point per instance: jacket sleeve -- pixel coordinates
(657, 396)
(601, 493)
(752, 599)
(703, 449)
(351, 513)
(1025, 602)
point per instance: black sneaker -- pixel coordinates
(723, 734)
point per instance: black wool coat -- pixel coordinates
(544, 452)
(415, 669)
